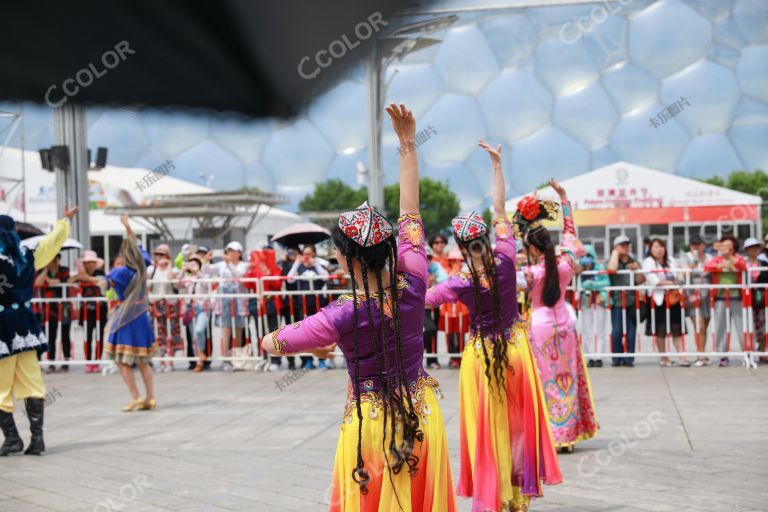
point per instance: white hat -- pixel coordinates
(234, 246)
(751, 242)
(621, 239)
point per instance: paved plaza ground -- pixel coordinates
(672, 439)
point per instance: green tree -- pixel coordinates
(755, 183)
(488, 216)
(333, 195)
(438, 205)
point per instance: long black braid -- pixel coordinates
(359, 474)
(495, 370)
(394, 388)
(411, 427)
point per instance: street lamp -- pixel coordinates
(384, 51)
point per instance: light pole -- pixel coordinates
(72, 180)
(384, 51)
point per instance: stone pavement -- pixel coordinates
(673, 439)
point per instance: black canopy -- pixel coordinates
(227, 55)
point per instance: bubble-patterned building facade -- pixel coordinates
(677, 85)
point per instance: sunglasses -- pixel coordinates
(441, 242)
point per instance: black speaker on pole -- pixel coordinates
(45, 159)
(60, 157)
(101, 158)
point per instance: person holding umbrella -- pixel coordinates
(20, 333)
(307, 267)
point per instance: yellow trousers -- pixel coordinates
(20, 378)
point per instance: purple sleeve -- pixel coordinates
(313, 332)
(411, 256)
(440, 294)
(505, 242)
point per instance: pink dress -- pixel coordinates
(557, 351)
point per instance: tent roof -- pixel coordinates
(126, 178)
(622, 185)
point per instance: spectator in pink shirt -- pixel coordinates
(727, 269)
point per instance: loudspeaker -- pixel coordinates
(101, 158)
(60, 157)
(45, 159)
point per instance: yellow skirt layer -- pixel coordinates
(506, 445)
(430, 490)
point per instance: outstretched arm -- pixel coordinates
(498, 189)
(505, 242)
(315, 334)
(570, 245)
(50, 245)
(128, 229)
(568, 226)
(440, 294)
(404, 125)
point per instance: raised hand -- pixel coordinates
(124, 221)
(495, 154)
(558, 188)
(403, 122)
(69, 214)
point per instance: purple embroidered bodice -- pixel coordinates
(460, 288)
(335, 322)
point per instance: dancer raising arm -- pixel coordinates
(392, 452)
(505, 443)
(131, 338)
(20, 333)
(553, 332)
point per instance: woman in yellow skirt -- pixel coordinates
(505, 443)
(392, 452)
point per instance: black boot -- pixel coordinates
(35, 415)
(13, 443)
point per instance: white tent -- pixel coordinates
(111, 186)
(639, 202)
(625, 185)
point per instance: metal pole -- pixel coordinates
(72, 183)
(375, 186)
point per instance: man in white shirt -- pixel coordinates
(230, 310)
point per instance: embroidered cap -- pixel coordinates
(469, 226)
(365, 225)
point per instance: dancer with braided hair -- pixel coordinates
(392, 452)
(553, 333)
(505, 442)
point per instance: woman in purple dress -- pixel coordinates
(505, 446)
(392, 452)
